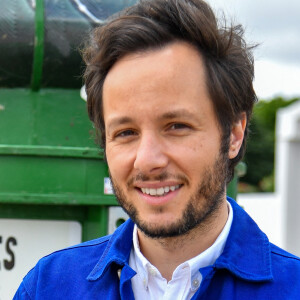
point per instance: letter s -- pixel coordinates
(10, 264)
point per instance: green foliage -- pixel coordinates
(259, 156)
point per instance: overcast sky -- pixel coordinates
(275, 25)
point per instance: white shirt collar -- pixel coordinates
(143, 267)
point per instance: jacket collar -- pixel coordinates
(116, 252)
(246, 254)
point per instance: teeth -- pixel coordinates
(152, 192)
(160, 191)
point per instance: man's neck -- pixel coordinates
(167, 253)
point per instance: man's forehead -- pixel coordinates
(171, 58)
(172, 70)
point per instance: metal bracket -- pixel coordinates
(38, 56)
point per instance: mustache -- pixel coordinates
(140, 177)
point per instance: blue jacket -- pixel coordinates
(250, 267)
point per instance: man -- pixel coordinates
(171, 95)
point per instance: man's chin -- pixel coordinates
(160, 231)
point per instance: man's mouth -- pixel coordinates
(160, 191)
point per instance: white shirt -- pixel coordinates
(148, 283)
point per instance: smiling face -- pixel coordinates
(163, 140)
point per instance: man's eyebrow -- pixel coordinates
(181, 113)
(118, 121)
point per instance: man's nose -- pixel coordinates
(150, 154)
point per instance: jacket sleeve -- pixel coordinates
(21, 293)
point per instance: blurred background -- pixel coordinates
(269, 190)
(54, 184)
(275, 27)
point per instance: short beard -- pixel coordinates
(201, 208)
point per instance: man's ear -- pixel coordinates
(237, 136)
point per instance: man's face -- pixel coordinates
(163, 140)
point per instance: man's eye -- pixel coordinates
(125, 133)
(179, 126)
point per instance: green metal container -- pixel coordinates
(50, 166)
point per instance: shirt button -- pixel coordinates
(145, 284)
(195, 283)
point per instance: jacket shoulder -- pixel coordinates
(87, 248)
(286, 272)
(279, 253)
(71, 264)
